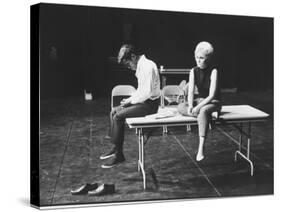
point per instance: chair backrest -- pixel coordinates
(171, 93)
(122, 90)
(182, 84)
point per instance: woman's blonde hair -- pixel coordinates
(204, 47)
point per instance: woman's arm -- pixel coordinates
(212, 91)
(191, 88)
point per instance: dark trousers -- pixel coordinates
(119, 114)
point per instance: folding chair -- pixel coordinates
(172, 94)
(121, 91)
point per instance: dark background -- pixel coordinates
(78, 46)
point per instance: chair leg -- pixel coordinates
(210, 126)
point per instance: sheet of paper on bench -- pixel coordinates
(162, 113)
(228, 113)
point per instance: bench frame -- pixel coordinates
(238, 124)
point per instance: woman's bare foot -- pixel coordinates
(199, 157)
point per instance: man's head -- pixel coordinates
(203, 53)
(128, 57)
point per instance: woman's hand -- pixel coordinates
(195, 111)
(189, 110)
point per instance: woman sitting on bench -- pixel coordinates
(206, 77)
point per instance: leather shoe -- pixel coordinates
(109, 154)
(107, 137)
(84, 189)
(118, 158)
(103, 189)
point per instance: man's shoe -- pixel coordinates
(84, 189)
(110, 154)
(107, 137)
(103, 189)
(119, 158)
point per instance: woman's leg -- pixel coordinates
(200, 152)
(204, 118)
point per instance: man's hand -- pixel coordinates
(125, 102)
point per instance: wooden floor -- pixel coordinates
(72, 139)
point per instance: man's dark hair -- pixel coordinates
(126, 52)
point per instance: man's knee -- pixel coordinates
(118, 116)
(115, 110)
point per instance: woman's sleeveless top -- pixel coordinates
(202, 79)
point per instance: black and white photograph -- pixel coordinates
(131, 105)
(143, 105)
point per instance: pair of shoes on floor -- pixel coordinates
(117, 158)
(94, 189)
(84, 189)
(103, 189)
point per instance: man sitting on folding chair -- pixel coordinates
(143, 102)
(117, 91)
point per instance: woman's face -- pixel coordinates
(201, 59)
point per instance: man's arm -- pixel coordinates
(144, 89)
(145, 86)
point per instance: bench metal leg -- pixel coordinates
(240, 143)
(141, 161)
(239, 151)
(139, 143)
